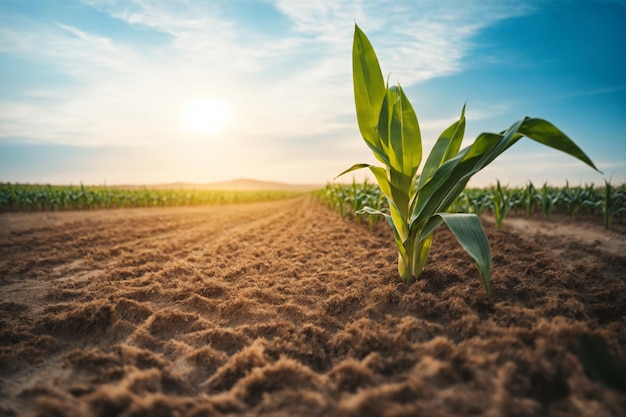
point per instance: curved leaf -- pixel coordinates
(450, 178)
(470, 233)
(353, 168)
(399, 129)
(391, 191)
(369, 91)
(446, 147)
(546, 133)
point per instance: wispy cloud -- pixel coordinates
(595, 92)
(289, 93)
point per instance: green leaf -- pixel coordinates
(545, 132)
(446, 147)
(353, 168)
(399, 128)
(470, 233)
(445, 185)
(450, 178)
(390, 191)
(369, 91)
(421, 250)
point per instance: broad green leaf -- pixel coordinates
(404, 135)
(443, 181)
(446, 147)
(400, 221)
(486, 148)
(429, 227)
(383, 183)
(369, 90)
(421, 250)
(400, 183)
(384, 121)
(450, 178)
(457, 139)
(489, 146)
(470, 233)
(399, 130)
(545, 132)
(389, 190)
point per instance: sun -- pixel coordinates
(205, 115)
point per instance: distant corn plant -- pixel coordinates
(613, 203)
(548, 197)
(529, 199)
(34, 197)
(503, 200)
(349, 199)
(571, 198)
(390, 129)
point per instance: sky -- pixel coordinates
(160, 91)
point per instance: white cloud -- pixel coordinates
(283, 91)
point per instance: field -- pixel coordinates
(37, 197)
(284, 308)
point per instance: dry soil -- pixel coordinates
(286, 309)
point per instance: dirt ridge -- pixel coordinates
(285, 309)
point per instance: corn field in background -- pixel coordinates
(607, 201)
(348, 199)
(28, 197)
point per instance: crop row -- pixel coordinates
(28, 197)
(609, 201)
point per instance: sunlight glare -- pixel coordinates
(205, 115)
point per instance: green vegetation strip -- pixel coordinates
(609, 201)
(29, 197)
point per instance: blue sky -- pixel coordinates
(106, 91)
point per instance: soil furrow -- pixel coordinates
(286, 309)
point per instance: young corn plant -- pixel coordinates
(592, 199)
(529, 198)
(613, 203)
(390, 129)
(503, 199)
(572, 198)
(548, 199)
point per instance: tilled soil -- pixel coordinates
(285, 309)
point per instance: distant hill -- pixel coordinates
(240, 184)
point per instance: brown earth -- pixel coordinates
(285, 309)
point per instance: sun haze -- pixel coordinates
(204, 91)
(205, 115)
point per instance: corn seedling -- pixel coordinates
(613, 203)
(529, 199)
(473, 201)
(503, 199)
(390, 128)
(548, 199)
(592, 199)
(572, 198)
(348, 200)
